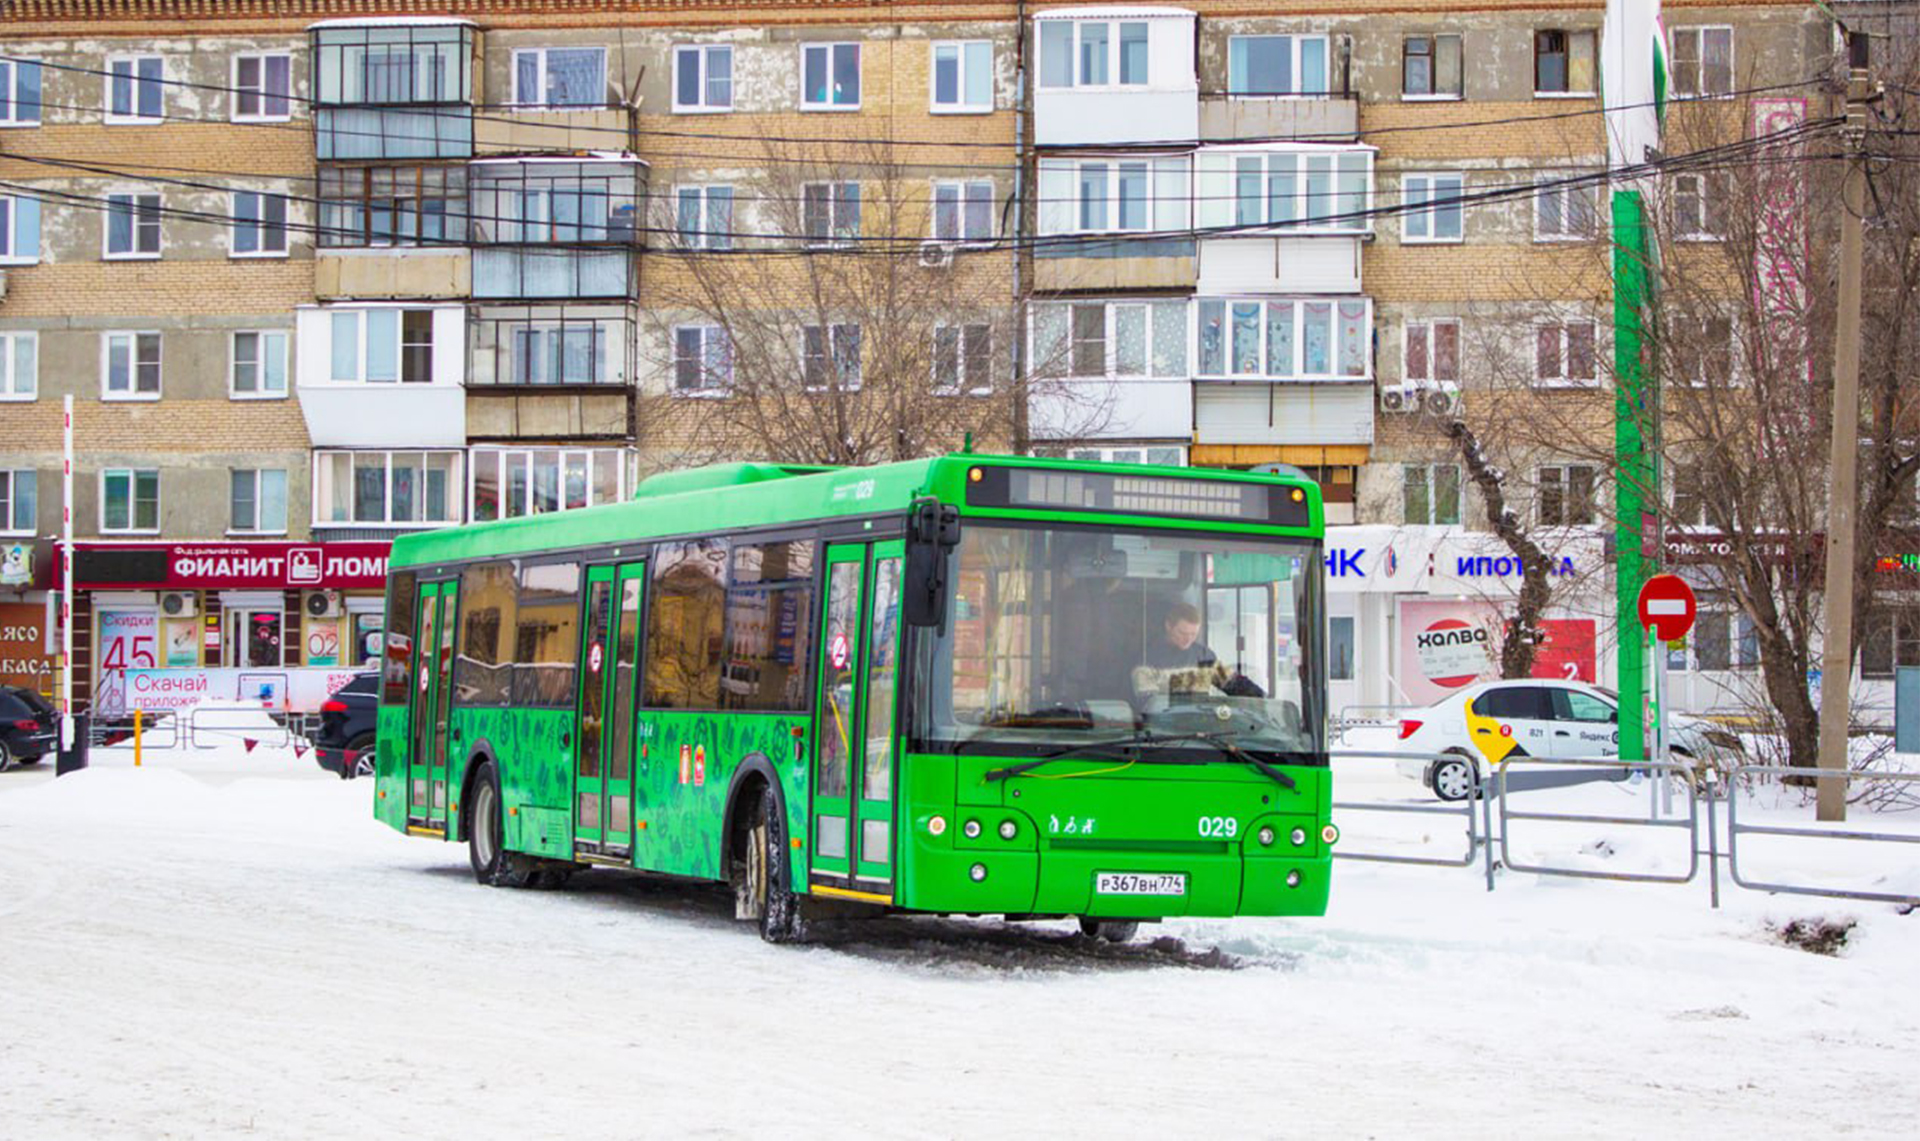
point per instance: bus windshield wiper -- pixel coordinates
(1133, 741)
(1228, 748)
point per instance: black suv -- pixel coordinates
(344, 744)
(27, 730)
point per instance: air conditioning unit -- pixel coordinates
(1442, 399)
(323, 604)
(175, 604)
(936, 255)
(1399, 398)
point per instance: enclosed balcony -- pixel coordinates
(1282, 219)
(556, 228)
(1119, 75)
(550, 371)
(393, 88)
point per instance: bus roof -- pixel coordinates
(726, 497)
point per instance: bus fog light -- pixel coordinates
(1293, 878)
(1329, 834)
(1266, 837)
(972, 829)
(979, 872)
(937, 826)
(1008, 829)
(1299, 837)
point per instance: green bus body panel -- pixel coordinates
(680, 808)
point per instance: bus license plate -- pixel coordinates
(1137, 883)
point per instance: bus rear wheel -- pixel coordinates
(1108, 930)
(486, 851)
(763, 887)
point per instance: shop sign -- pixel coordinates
(24, 660)
(294, 689)
(233, 566)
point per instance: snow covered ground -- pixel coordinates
(225, 943)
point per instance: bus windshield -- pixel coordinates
(1061, 636)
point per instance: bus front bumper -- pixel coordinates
(1065, 881)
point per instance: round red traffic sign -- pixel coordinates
(1667, 607)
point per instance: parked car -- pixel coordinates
(27, 727)
(344, 744)
(1544, 719)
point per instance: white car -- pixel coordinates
(1545, 719)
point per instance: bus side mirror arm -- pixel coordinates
(933, 531)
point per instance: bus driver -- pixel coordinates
(1178, 662)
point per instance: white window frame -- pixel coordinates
(1566, 471)
(540, 78)
(1418, 193)
(1562, 380)
(1293, 64)
(263, 229)
(1217, 190)
(961, 331)
(359, 379)
(1431, 470)
(106, 104)
(455, 497)
(837, 233)
(286, 501)
(706, 235)
(1421, 329)
(963, 189)
(1709, 200)
(10, 232)
(1298, 375)
(963, 106)
(133, 392)
(1694, 327)
(1433, 61)
(234, 391)
(10, 354)
(8, 524)
(499, 460)
(135, 204)
(1699, 34)
(715, 361)
(1123, 454)
(830, 340)
(1109, 338)
(703, 107)
(265, 96)
(1569, 231)
(11, 86)
(1533, 63)
(860, 66)
(133, 504)
(1076, 82)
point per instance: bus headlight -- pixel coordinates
(979, 872)
(1299, 837)
(972, 829)
(1266, 837)
(937, 826)
(1008, 829)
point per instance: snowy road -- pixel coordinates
(197, 953)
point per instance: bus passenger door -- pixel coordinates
(609, 665)
(431, 705)
(596, 675)
(852, 812)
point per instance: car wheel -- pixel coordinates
(1108, 930)
(6, 757)
(1453, 779)
(359, 759)
(486, 851)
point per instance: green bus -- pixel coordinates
(962, 685)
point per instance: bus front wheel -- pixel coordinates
(492, 863)
(1108, 930)
(764, 888)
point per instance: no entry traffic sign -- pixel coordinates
(1667, 607)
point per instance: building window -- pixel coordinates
(130, 366)
(963, 359)
(1112, 195)
(704, 217)
(1323, 189)
(1689, 495)
(1433, 351)
(1430, 493)
(1430, 67)
(1276, 65)
(1312, 338)
(259, 365)
(962, 76)
(830, 77)
(130, 499)
(408, 64)
(262, 87)
(560, 77)
(19, 500)
(1563, 353)
(555, 352)
(1892, 640)
(703, 78)
(838, 367)
(511, 482)
(19, 93)
(1093, 53)
(702, 359)
(1564, 211)
(963, 211)
(831, 211)
(259, 225)
(1563, 62)
(1162, 456)
(258, 501)
(1699, 207)
(392, 205)
(19, 230)
(1110, 339)
(134, 89)
(133, 226)
(1565, 495)
(1702, 62)
(1434, 210)
(381, 346)
(19, 365)
(386, 487)
(1700, 350)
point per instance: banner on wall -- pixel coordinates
(293, 689)
(24, 660)
(1447, 645)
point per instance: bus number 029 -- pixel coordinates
(1219, 826)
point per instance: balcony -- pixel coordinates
(1116, 264)
(393, 88)
(550, 372)
(1283, 413)
(559, 130)
(556, 228)
(378, 376)
(1115, 75)
(392, 274)
(1239, 118)
(1112, 408)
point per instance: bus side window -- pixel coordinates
(769, 644)
(546, 635)
(397, 645)
(483, 664)
(685, 625)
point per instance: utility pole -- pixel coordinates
(1836, 649)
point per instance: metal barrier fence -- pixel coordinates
(206, 728)
(1464, 809)
(1735, 830)
(1504, 779)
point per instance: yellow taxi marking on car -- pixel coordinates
(1493, 739)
